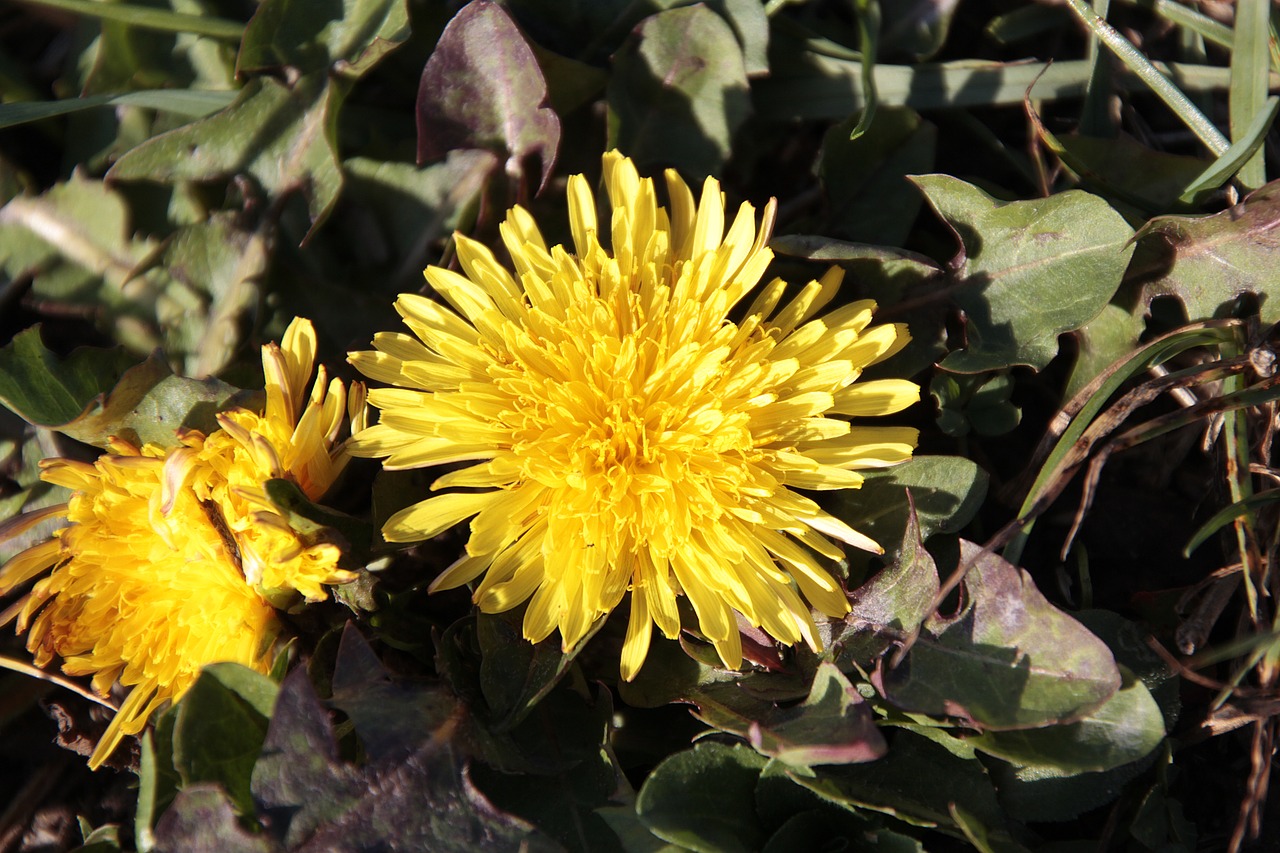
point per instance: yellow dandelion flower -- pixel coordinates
(629, 435)
(170, 559)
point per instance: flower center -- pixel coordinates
(636, 436)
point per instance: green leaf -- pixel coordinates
(203, 820)
(891, 605)
(831, 829)
(149, 18)
(1125, 169)
(221, 263)
(1207, 262)
(514, 673)
(1103, 341)
(678, 92)
(315, 524)
(482, 88)
(46, 390)
(91, 395)
(979, 402)
(948, 492)
(869, 199)
(1031, 270)
(219, 729)
(1126, 728)
(410, 208)
(1008, 659)
(158, 781)
(283, 137)
(832, 726)
(917, 782)
(193, 103)
(704, 799)
(807, 84)
(349, 38)
(889, 276)
(1250, 81)
(564, 804)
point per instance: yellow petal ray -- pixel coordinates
(428, 518)
(871, 399)
(29, 563)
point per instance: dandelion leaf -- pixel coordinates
(1027, 270)
(1007, 659)
(94, 394)
(482, 88)
(293, 34)
(703, 799)
(1209, 262)
(679, 92)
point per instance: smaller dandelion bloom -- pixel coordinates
(628, 434)
(171, 559)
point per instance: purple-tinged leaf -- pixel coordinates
(203, 820)
(1008, 659)
(1209, 261)
(832, 726)
(891, 605)
(482, 88)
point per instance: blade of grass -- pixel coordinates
(147, 18)
(825, 86)
(1250, 65)
(1226, 515)
(1221, 170)
(1163, 88)
(193, 103)
(1189, 19)
(868, 13)
(1072, 422)
(1095, 116)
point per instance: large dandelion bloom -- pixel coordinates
(632, 436)
(171, 559)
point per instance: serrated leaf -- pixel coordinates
(704, 799)
(1031, 269)
(281, 136)
(219, 729)
(1210, 261)
(1008, 659)
(678, 92)
(420, 801)
(482, 88)
(350, 39)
